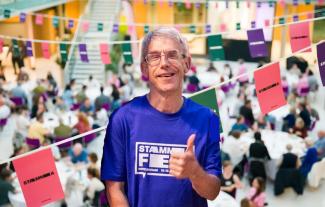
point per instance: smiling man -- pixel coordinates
(162, 149)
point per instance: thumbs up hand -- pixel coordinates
(184, 165)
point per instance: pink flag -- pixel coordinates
(310, 15)
(130, 29)
(39, 19)
(320, 2)
(38, 178)
(104, 53)
(248, 4)
(85, 26)
(217, 5)
(46, 50)
(223, 27)
(188, 4)
(268, 87)
(267, 22)
(282, 3)
(299, 36)
(1, 45)
(178, 27)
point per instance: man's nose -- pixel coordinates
(163, 60)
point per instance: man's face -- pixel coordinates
(167, 76)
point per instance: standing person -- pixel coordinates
(6, 187)
(149, 157)
(18, 56)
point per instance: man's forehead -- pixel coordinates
(163, 43)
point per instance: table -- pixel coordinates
(223, 200)
(208, 78)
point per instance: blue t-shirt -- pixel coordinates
(138, 143)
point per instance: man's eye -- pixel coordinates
(173, 55)
(154, 57)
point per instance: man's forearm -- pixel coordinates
(206, 185)
(115, 194)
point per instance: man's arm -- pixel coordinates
(115, 194)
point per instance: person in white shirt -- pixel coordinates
(95, 185)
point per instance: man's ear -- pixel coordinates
(188, 62)
(144, 70)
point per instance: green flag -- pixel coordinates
(208, 99)
(307, 2)
(63, 52)
(127, 53)
(55, 22)
(215, 47)
(16, 52)
(237, 26)
(6, 13)
(192, 29)
(146, 29)
(281, 20)
(100, 27)
(237, 4)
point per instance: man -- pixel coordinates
(247, 112)
(320, 144)
(18, 91)
(101, 100)
(162, 149)
(62, 131)
(77, 154)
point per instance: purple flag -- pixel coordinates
(295, 18)
(83, 53)
(70, 23)
(22, 17)
(115, 28)
(197, 5)
(208, 28)
(29, 49)
(258, 4)
(321, 61)
(170, 3)
(256, 42)
(253, 24)
(295, 2)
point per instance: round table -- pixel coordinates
(223, 200)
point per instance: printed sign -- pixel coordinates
(321, 61)
(299, 36)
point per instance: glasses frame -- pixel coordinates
(162, 53)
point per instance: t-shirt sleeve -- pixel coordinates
(213, 154)
(113, 165)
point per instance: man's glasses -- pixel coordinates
(153, 59)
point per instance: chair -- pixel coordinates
(225, 88)
(106, 106)
(33, 143)
(191, 88)
(3, 122)
(88, 138)
(100, 199)
(303, 91)
(288, 178)
(316, 173)
(256, 169)
(285, 90)
(75, 106)
(63, 146)
(18, 101)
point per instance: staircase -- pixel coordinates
(105, 11)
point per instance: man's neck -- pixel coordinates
(166, 103)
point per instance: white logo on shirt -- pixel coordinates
(153, 158)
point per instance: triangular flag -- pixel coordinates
(130, 29)
(16, 51)
(63, 52)
(320, 2)
(192, 29)
(253, 24)
(188, 4)
(83, 53)
(29, 49)
(237, 4)
(295, 2)
(127, 53)
(256, 42)
(295, 18)
(46, 50)
(1, 45)
(299, 36)
(258, 4)
(281, 20)
(197, 5)
(170, 3)
(85, 26)
(6, 13)
(104, 53)
(282, 3)
(115, 28)
(208, 28)
(208, 99)
(321, 60)
(55, 22)
(310, 15)
(70, 23)
(223, 27)
(248, 4)
(215, 47)
(146, 29)
(269, 90)
(237, 26)
(22, 17)
(39, 19)
(307, 2)
(38, 178)
(100, 27)
(266, 22)
(270, 3)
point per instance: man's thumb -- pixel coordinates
(190, 143)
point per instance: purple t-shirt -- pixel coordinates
(138, 143)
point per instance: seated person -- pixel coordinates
(320, 144)
(83, 124)
(93, 158)
(6, 187)
(62, 131)
(289, 160)
(87, 107)
(37, 129)
(240, 125)
(258, 149)
(77, 154)
(256, 194)
(229, 181)
(95, 185)
(299, 128)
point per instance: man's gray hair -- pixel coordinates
(168, 32)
